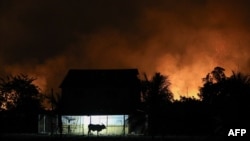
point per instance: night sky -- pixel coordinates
(184, 39)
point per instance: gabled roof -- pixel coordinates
(99, 77)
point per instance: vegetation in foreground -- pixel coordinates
(223, 104)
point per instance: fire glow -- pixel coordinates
(184, 40)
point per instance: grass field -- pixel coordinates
(39, 137)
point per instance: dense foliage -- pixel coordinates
(19, 93)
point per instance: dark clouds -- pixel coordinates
(45, 28)
(184, 39)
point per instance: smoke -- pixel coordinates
(182, 39)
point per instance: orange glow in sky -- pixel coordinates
(184, 40)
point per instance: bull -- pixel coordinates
(96, 127)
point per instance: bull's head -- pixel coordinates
(103, 126)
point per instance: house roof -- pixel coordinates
(100, 91)
(99, 77)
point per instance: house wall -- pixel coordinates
(114, 124)
(78, 125)
(103, 100)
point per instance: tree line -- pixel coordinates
(222, 104)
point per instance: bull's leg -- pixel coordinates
(88, 132)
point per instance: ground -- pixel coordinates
(39, 137)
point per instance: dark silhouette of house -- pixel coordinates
(100, 96)
(100, 91)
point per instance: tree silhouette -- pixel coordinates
(220, 88)
(238, 85)
(188, 100)
(20, 104)
(227, 97)
(157, 97)
(19, 93)
(157, 90)
(235, 99)
(218, 74)
(214, 83)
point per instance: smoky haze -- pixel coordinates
(182, 39)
